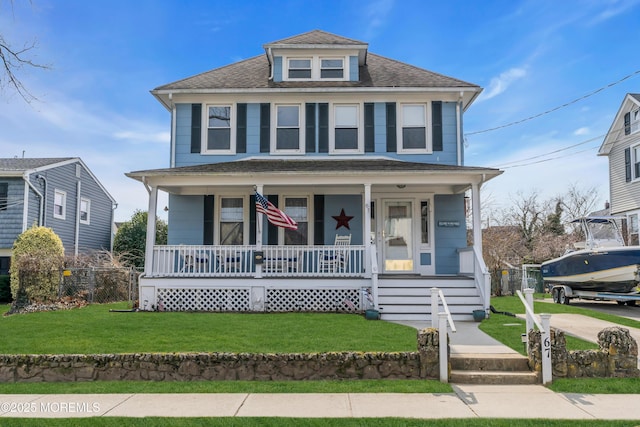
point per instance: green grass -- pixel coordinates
(359, 386)
(94, 329)
(307, 422)
(596, 385)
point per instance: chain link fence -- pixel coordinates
(507, 281)
(100, 284)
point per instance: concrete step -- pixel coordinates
(491, 369)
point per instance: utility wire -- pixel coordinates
(556, 108)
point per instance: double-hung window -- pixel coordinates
(59, 204)
(414, 132)
(297, 208)
(219, 128)
(288, 129)
(299, 68)
(85, 210)
(346, 119)
(4, 195)
(232, 221)
(331, 68)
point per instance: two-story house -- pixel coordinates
(60, 193)
(622, 146)
(365, 153)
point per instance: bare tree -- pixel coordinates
(13, 61)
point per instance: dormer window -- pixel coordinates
(632, 122)
(299, 68)
(332, 68)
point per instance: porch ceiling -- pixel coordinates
(303, 172)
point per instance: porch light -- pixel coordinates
(401, 185)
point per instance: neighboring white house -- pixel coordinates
(347, 143)
(622, 146)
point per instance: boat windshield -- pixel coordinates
(602, 233)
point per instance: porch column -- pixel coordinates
(151, 229)
(477, 220)
(366, 233)
(259, 215)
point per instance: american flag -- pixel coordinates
(274, 215)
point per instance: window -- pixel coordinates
(332, 68)
(636, 161)
(59, 204)
(414, 127)
(296, 208)
(299, 68)
(4, 195)
(288, 128)
(635, 120)
(232, 221)
(346, 127)
(424, 221)
(633, 229)
(85, 207)
(218, 128)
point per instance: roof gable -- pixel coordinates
(315, 37)
(630, 102)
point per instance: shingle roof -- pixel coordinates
(317, 37)
(22, 164)
(253, 73)
(317, 166)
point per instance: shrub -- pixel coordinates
(130, 240)
(36, 260)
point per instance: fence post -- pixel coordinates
(528, 296)
(434, 307)
(443, 358)
(547, 372)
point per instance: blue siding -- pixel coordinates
(186, 219)
(449, 239)
(11, 217)
(277, 69)
(352, 206)
(380, 127)
(425, 259)
(253, 129)
(354, 75)
(182, 142)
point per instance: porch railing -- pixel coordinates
(242, 261)
(471, 263)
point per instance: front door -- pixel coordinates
(397, 236)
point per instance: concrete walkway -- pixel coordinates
(468, 401)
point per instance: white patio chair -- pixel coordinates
(335, 259)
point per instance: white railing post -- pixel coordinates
(443, 359)
(545, 336)
(434, 307)
(528, 296)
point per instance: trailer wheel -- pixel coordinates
(631, 303)
(555, 296)
(621, 302)
(562, 297)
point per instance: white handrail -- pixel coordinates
(545, 332)
(436, 297)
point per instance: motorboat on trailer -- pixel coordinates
(602, 263)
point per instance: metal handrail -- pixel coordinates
(436, 296)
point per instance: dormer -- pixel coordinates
(316, 56)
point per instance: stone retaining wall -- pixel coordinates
(617, 356)
(226, 366)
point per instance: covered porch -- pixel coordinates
(404, 220)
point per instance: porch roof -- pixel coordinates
(314, 172)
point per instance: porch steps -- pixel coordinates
(409, 298)
(491, 369)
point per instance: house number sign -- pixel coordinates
(448, 223)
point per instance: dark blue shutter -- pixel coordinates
(209, 223)
(627, 164)
(252, 219)
(265, 128)
(241, 128)
(436, 125)
(272, 230)
(392, 145)
(627, 123)
(196, 128)
(318, 219)
(323, 128)
(369, 128)
(310, 124)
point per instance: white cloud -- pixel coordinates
(501, 83)
(582, 131)
(376, 15)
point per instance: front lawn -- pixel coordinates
(95, 330)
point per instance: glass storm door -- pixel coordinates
(397, 236)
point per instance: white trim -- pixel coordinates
(282, 201)
(428, 131)
(359, 128)
(316, 67)
(63, 194)
(274, 129)
(204, 144)
(245, 217)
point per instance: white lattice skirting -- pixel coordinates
(270, 299)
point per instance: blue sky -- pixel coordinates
(529, 56)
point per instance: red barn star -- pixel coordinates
(342, 220)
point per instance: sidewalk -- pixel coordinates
(468, 401)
